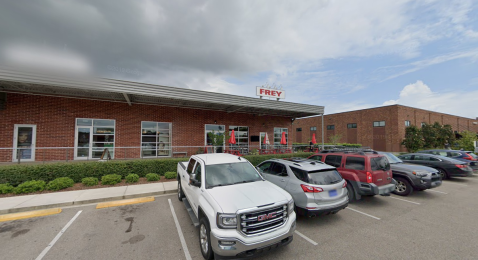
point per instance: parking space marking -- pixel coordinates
(180, 232)
(368, 215)
(45, 251)
(437, 191)
(306, 238)
(405, 200)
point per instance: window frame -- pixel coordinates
(379, 123)
(281, 129)
(352, 125)
(330, 127)
(91, 147)
(313, 128)
(157, 141)
(407, 123)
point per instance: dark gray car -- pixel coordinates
(464, 156)
(412, 177)
(447, 167)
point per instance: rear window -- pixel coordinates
(320, 177)
(333, 160)
(355, 163)
(379, 163)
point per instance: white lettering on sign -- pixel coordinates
(267, 92)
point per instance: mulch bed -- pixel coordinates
(80, 186)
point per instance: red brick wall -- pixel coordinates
(55, 121)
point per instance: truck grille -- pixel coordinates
(263, 220)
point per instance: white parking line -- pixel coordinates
(405, 200)
(306, 238)
(45, 251)
(180, 232)
(363, 213)
(437, 191)
(456, 183)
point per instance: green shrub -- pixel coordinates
(30, 186)
(6, 188)
(170, 175)
(132, 178)
(90, 181)
(152, 177)
(111, 179)
(60, 183)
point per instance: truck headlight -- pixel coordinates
(227, 220)
(420, 174)
(290, 206)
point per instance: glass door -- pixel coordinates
(24, 140)
(83, 144)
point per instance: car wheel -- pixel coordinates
(180, 191)
(351, 192)
(403, 187)
(443, 174)
(205, 239)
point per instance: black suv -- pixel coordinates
(412, 177)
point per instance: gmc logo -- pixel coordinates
(266, 216)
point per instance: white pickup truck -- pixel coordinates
(239, 214)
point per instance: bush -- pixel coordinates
(152, 177)
(60, 183)
(132, 178)
(6, 188)
(111, 179)
(90, 181)
(30, 186)
(170, 175)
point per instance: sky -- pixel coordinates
(344, 55)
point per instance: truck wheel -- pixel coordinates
(180, 191)
(205, 239)
(351, 192)
(403, 187)
(443, 174)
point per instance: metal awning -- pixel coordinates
(15, 81)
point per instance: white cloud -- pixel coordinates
(420, 95)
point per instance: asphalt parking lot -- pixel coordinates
(432, 224)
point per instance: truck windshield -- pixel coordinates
(230, 173)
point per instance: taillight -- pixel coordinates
(468, 157)
(461, 165)
(307, 188)
(369, 177)
(344, 185)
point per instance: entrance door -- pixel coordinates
(262, 135)
(83, 142)
(24, 140)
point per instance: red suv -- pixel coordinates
(366, 171)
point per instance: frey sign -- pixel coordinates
(270, 92)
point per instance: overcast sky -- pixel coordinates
(344, 55)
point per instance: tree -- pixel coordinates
(334, 139)
(413, 139)
(447, 136)
(466, 140)
(430, 135)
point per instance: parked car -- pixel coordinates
(317, 188)
(366, 171)
(447, 167)
(464, 156)
(238, 212)
(411, 177)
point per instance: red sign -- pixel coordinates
(269, 92)
(266, 216)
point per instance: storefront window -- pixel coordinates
(155, 139)
(278, 135)
(214, 137)
(242, 137)
(94, 137)
(24, 137)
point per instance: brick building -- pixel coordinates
(382, 128)
(51, 118)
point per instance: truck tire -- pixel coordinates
(180, 191)
(403, 187)
(351, 192)
(205, 239)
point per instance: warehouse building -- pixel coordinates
(382, 128)
(50, 118)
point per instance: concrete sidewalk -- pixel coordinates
(68, 198)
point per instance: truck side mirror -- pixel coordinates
(195, 182)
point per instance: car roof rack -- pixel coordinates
(359, 150)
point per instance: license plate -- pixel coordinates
(332, 193)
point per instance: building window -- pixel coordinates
(242, 137)
(407, 123)
(314, 128)
(212, 137)
(24, 137)
(353, 125)
(93, 137)
(298, 129)
(330, 127)
(278, 135)
(155, 139)
(378, 123)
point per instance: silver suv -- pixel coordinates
(317, 188)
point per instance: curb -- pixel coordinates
(90, 201)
